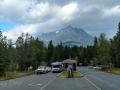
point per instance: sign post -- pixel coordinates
(6, 76)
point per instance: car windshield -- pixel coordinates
(56, 66)
(41, 67)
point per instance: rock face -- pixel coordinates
(69, 36)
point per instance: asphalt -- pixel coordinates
(106, 81)
(61, 83)
(92, 80)
(47, 82)
(31, 82)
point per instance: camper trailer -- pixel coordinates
(56, 66)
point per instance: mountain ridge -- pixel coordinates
(67, 34)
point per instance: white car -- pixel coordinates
(48, 69)
(98, 67)
(41, 69)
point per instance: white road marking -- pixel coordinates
(31, 83)
(34, 84)
(39, 84)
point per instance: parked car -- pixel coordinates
(41, 69)
(98, 67)
(48, 69)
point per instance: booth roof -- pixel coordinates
(69, 61)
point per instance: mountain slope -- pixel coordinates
(69, 36)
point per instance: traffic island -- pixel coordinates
(76, 74)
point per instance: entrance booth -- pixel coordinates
(70, 66)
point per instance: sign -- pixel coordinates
(110, 64)
(31, 67)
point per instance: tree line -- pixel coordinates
(30, 51)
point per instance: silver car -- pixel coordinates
(41, 69)
(98, 67)
(48, 69)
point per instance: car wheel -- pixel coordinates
(44, 72)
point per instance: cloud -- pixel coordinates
(114, 11)
(37, 18)
(41, 16)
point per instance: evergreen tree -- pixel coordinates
(66, 52)
(40, 52)
(117, 46)
(20, 52)
(50, 51)
(60, 52)
(11, 54)
(95, 47)
(3, 54)
(103, 50)
(81, 55)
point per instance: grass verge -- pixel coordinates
(112, 70)
(115, 70)
(12, 75)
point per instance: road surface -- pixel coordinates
(32, 82)
(92, 80)
(105, 81)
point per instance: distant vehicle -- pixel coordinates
(98, 67)
(41, 69)
(56, 66)
(48, 69)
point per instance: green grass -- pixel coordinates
(115, 70)
(12, 75)
(65, 74)
(112, 70)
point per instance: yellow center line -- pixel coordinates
(92, 83)
(47, 84)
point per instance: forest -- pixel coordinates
(29, 51)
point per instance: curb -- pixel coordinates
(58, 75)
(81, 74)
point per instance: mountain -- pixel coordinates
(69, 36)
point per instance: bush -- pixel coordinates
(103, 68)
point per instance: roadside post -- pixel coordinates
(28, 69)
(35, 71)
(31, 67)
(6, 76)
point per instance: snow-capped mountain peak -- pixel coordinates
(69, 36)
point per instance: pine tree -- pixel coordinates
(103, 50)
(117, 46)
(20, 52)
(2, 55)
(50, 51)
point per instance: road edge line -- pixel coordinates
(48, 83)
(92, 83)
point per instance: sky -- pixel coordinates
(41, 16)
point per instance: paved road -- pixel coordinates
(93, 80)
(32, 82)
(47, 81)
(103, 80)
(70, 84)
